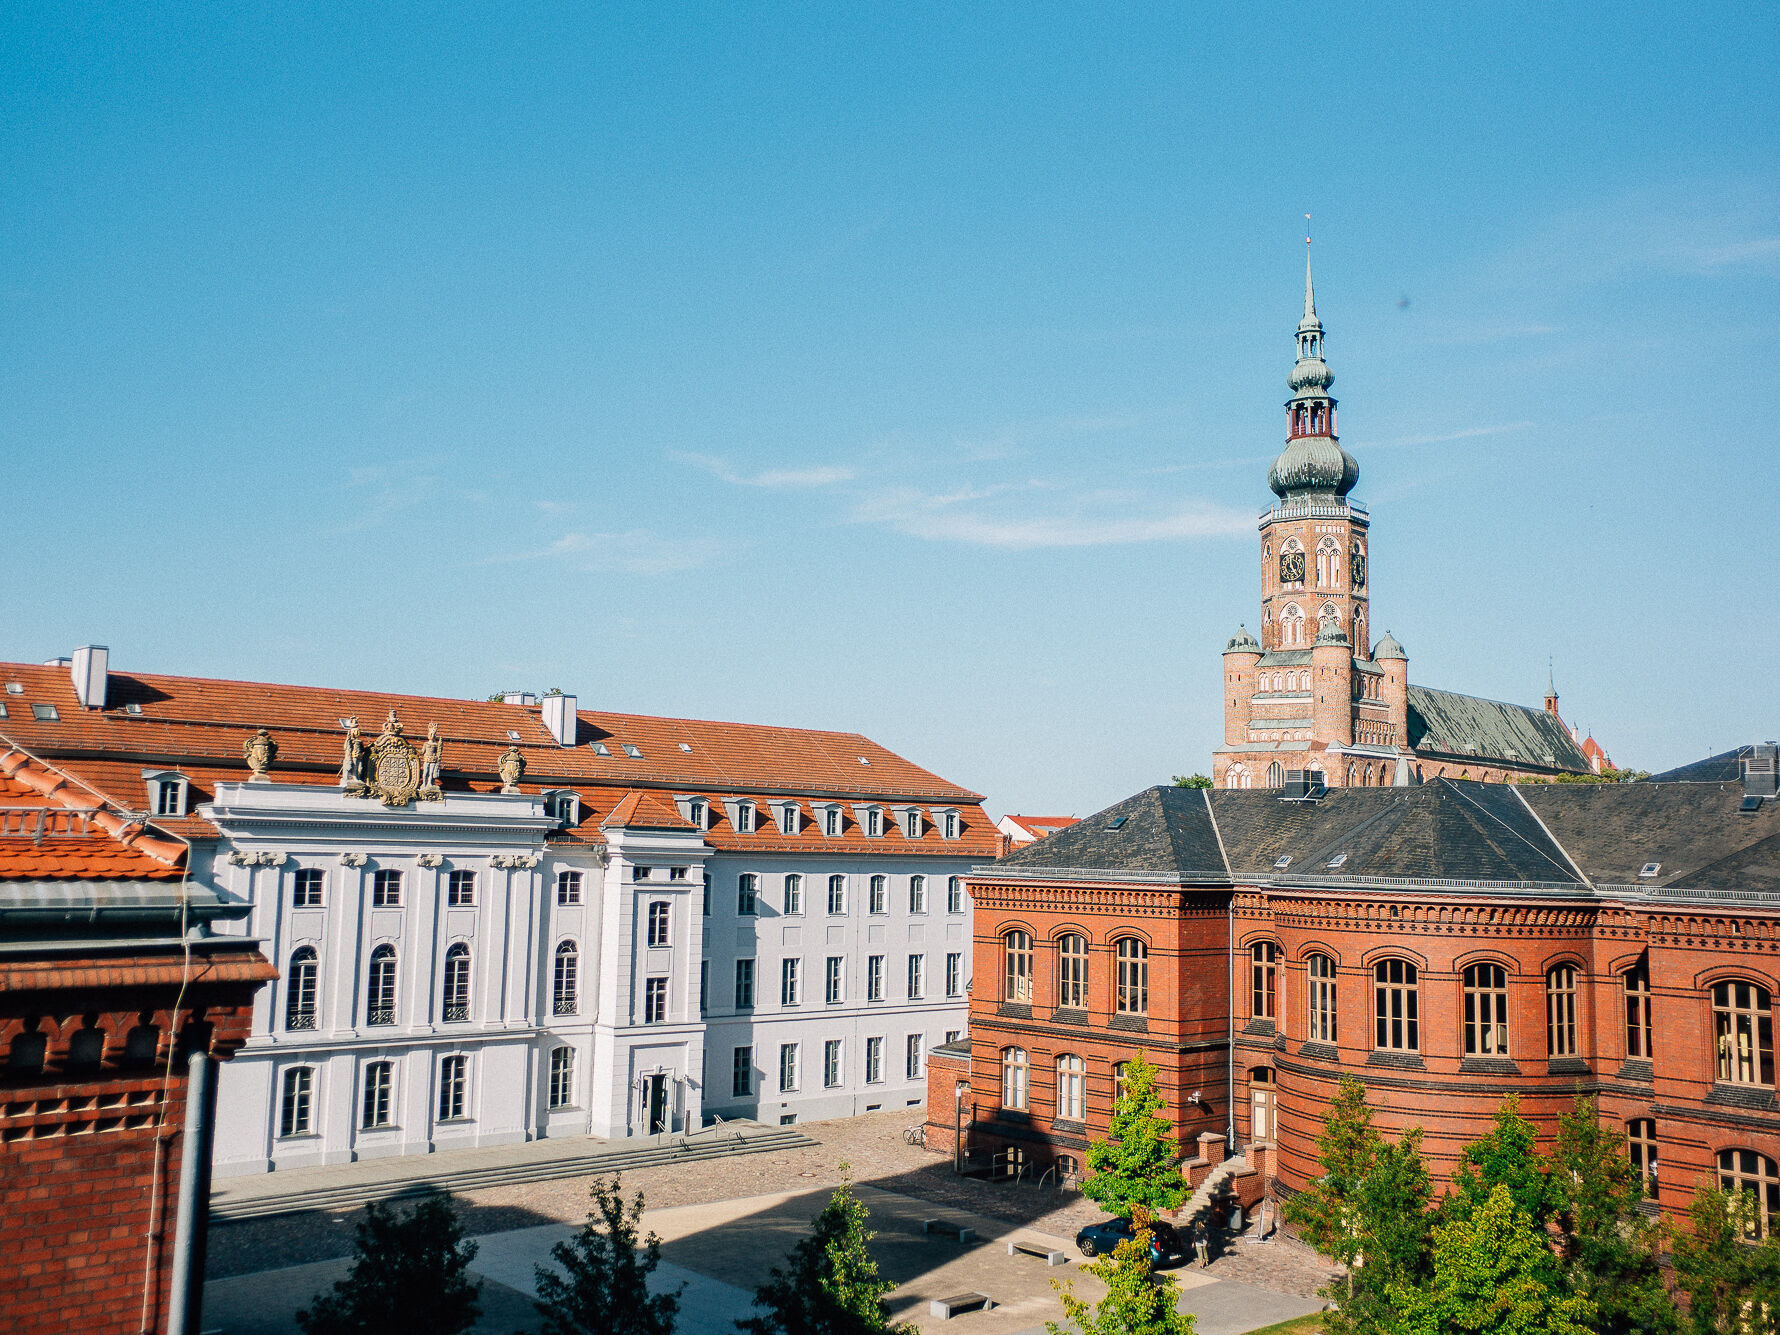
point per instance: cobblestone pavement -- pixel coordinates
(870, 1145)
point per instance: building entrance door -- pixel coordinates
(1261, 1106)
(655, 1104)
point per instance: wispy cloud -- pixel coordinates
(636, 551)
(1441, 438)
(1095, 520)
(815, 475)
(1702, 229)
(382, 490)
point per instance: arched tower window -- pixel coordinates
(1328, 563)
(1276, 776)
(1291, 622)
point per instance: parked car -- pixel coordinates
(1101, 1238)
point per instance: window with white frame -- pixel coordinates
(455, 999)
(699, 813)
(954, 974)
(639, 872)
(1072, 1084)
(565, 983)
(744, 817)
(380, 986)
(744, 985)
(746, 893)
(911, 823)
(954, 894)
(306, 888)
(874, 977)
(295, 1107)
(562, 1078)
(789, 994)
(917, 977)
(831, 1064)
(874, 1061)
(299, 989)
(917, 894)
(658, 923)
(874, 822)
(375, 1107)
(386, 889)
(1013, 1078)
(1132, 957)
(837, 894)
(454, 1088)
(831, 821)
(169, 797)
(880, 894)
(460, 890)
(741, 1072)
(568, 887)
(911, 1057)
(787, 1067)
(655, 1001)
(832, 981)
(949, 824)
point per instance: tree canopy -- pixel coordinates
(1137, 1301)
(1138, 1164)
(829, 1284)
(604, 1285)
(408, 1277)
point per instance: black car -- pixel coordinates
(1100, 1239)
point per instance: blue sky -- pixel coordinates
(905, 369)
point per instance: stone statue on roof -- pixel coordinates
(352, 761)
(260, 751)
(432, 757)
(510, 766)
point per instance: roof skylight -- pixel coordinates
(686, 746)
(864, 761)
(1338, 860)
(512, 736)
(133, 708)
(1648, 870)
(599, 748)
(15, 688)
(631, 750)
(1117, 822)
(44, 713)
(1281, 862)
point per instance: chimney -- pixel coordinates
(1759, 777)
(559, 717)
(88, 669)
(518, 698)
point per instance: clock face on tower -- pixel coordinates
(1291, 567)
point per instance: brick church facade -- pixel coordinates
(1316, 693)
(1444, 941)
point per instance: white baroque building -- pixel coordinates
(537, 920)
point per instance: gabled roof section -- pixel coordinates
(54, 828)
(1725, 767)
(1695, 832)
(1490, 731)
(643, 809)
(1160, 831)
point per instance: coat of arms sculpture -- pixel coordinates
(394, 777)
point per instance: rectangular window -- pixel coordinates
(788, 994)
(954, 894)
(655, 1000)
(952, 1036)
(658, 923)
(954, 974)
(705, 893)
(831, 1063)
(874, 1061)
(741, 1073)
(917, 977)
(568, 887)
(744, 985)
(676, 873)
(562, 1078)
(374, 1113)
(911, 823)
(788, 815)
(831, 981)
(698, 809)
(460, 890)
(167, 801)
(638, 873)
(951, 824)
(874, 822)
(293, 1113)
(912, 1056)
(744, 818)
(454, 1079)
(704, 986)
(833, 818)
(386, 889)
(917, 894)
(306, 888)
(787, 1067)
(837, 894)
(874, 978)
(747, 889)
(880, 894)
(794, 893)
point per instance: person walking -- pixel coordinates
(1201, 1245)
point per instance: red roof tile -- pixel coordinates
(641, 809)
(54, 828)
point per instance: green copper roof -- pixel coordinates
(1490, 731)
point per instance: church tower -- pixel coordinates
(1308, 695)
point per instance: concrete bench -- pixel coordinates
(946, 1226)
(1039, 1250)
(947, 1308)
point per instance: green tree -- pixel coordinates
(1347, 1149)
(606, 1289)
(1609, 1251)
(1192, 781)
(1138, 1165)
(407, 1277)
(1504, 1156)
(1490, 1278)
(1137, 1301)
(1728, 1282)
(1394, 1242)
(829, 1285)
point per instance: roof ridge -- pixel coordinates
(130, 830)
(1472, 802)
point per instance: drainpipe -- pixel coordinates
(185, 1302)
(1230, 1031)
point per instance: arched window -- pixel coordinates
(27, 1051)
(565, 983)
(1353, 776)
(455, 999)
(1641, 1144)
(1072, 1079)
(562, 1078)
(374, 1112)
(1395, 1006)
(1013, 1077)
(1134, 976)
(1118, 1080)
(1328, 563)
(1291, 623)
(1560, 1011)
(1276, 776)
(1637, 1012)
(1743, 1030)
(1017, 975)
(380, 987)
(299, 989)
(1485, 990)
(1322, 999)
(1263, 957)
(1072, 972)
(87, 1048)
(837, 894)
(1756, 1176)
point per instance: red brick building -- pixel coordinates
(107, 983)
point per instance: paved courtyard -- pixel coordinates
(725, 1222)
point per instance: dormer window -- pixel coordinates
(564, 808)
(911, 822)
(789, 818)
(832, 820)
(168, 791)
(948, 823)
(744, 818)
(874, 822)
(698, 811)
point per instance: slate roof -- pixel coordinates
(1538, 835)
(1469, 726)
(1726, 766)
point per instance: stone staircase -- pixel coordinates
(351, 1185)
(1209, 1191)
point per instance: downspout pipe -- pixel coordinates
(1230, 1032)
(185, 1301)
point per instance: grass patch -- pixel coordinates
(1301, 1325)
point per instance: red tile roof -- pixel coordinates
(197, 726)
(641, 809)
(55, 828)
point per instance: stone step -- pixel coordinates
(351, 1194)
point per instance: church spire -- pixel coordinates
(1309, 292)
(1312, 462)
